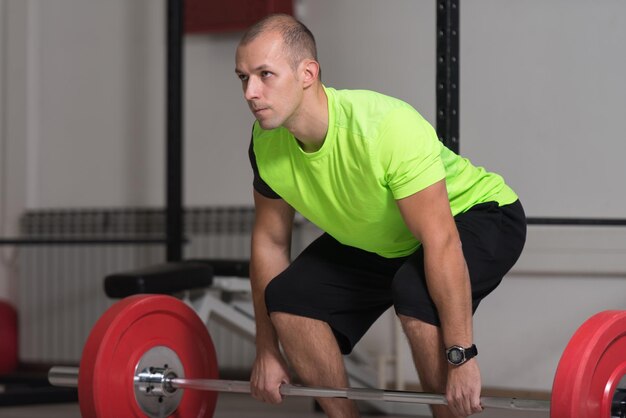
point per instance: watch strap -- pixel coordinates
(471, 352)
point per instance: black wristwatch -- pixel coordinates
(458, 355)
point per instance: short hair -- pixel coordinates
(298, 40)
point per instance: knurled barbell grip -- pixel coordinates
(363, 394)
(310, 392)
(68, 376)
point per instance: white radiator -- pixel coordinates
(61, 291)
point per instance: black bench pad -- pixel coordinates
(225, 267)
(167, 278)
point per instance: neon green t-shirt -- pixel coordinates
(377, 149)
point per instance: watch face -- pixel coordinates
(455, 356)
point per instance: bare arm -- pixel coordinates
(271, 246)
(428, 216)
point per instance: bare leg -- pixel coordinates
(427, 349)
(314, 354)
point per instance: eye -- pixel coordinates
(242, 77)
(265, 74)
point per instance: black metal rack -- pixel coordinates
(175, 131)
(447, 79)
(448, 73)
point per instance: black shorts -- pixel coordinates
(350, 288)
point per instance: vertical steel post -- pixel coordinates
(174, 224)
(448, 73)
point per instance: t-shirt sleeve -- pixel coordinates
(259, 185)
(410, 153)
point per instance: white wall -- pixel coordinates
(14, 135)
(540, 87)
(5, 292)
(542, 100)
(100, 97)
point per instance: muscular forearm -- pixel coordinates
(428, 216)
(449, 286)
(265, 264)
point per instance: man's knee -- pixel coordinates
(419, 329)
(283, 318)
(286, 320)
(289, 326)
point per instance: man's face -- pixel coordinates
(270, 86)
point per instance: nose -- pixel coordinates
(251, 90)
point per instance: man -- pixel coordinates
(408, 223)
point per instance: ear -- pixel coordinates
(310, 72)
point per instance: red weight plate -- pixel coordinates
(119, 339)
(590, 368)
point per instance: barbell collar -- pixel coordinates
(63, 376)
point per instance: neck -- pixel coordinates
(311, 125)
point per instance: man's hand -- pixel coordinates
(463, 389)
(268, 373)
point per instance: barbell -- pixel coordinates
(151, 355)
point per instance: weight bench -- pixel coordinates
(174, 277)
(207, 285)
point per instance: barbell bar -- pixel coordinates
(161, 381)
(147, 350)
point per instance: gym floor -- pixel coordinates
(232, 406)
